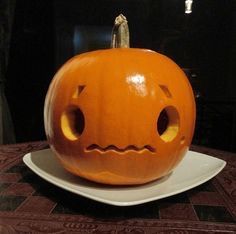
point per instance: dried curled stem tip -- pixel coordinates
(120, 33)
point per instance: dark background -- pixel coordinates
(203, 43)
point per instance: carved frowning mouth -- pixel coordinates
(120, 150)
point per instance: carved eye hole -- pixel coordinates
(162, 122)
(72, 119)
(168, 123)
(72, 122)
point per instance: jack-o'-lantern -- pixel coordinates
(121, 115)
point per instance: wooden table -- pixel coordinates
(28, 204)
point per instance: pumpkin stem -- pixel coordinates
(120, 33)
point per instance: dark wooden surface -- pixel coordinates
(29, 204)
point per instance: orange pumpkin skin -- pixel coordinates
(119, 95)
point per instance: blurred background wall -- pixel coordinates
(47, 33)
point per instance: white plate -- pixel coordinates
(194, 169)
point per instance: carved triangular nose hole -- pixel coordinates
(79, 90)
(166, 91)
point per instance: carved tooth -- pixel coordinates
(111, 147)
(150, 148)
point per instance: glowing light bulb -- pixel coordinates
(188, 6)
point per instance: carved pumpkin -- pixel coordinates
(120, 115)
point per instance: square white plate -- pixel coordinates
(194, 169)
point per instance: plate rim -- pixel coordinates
(28, 161)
